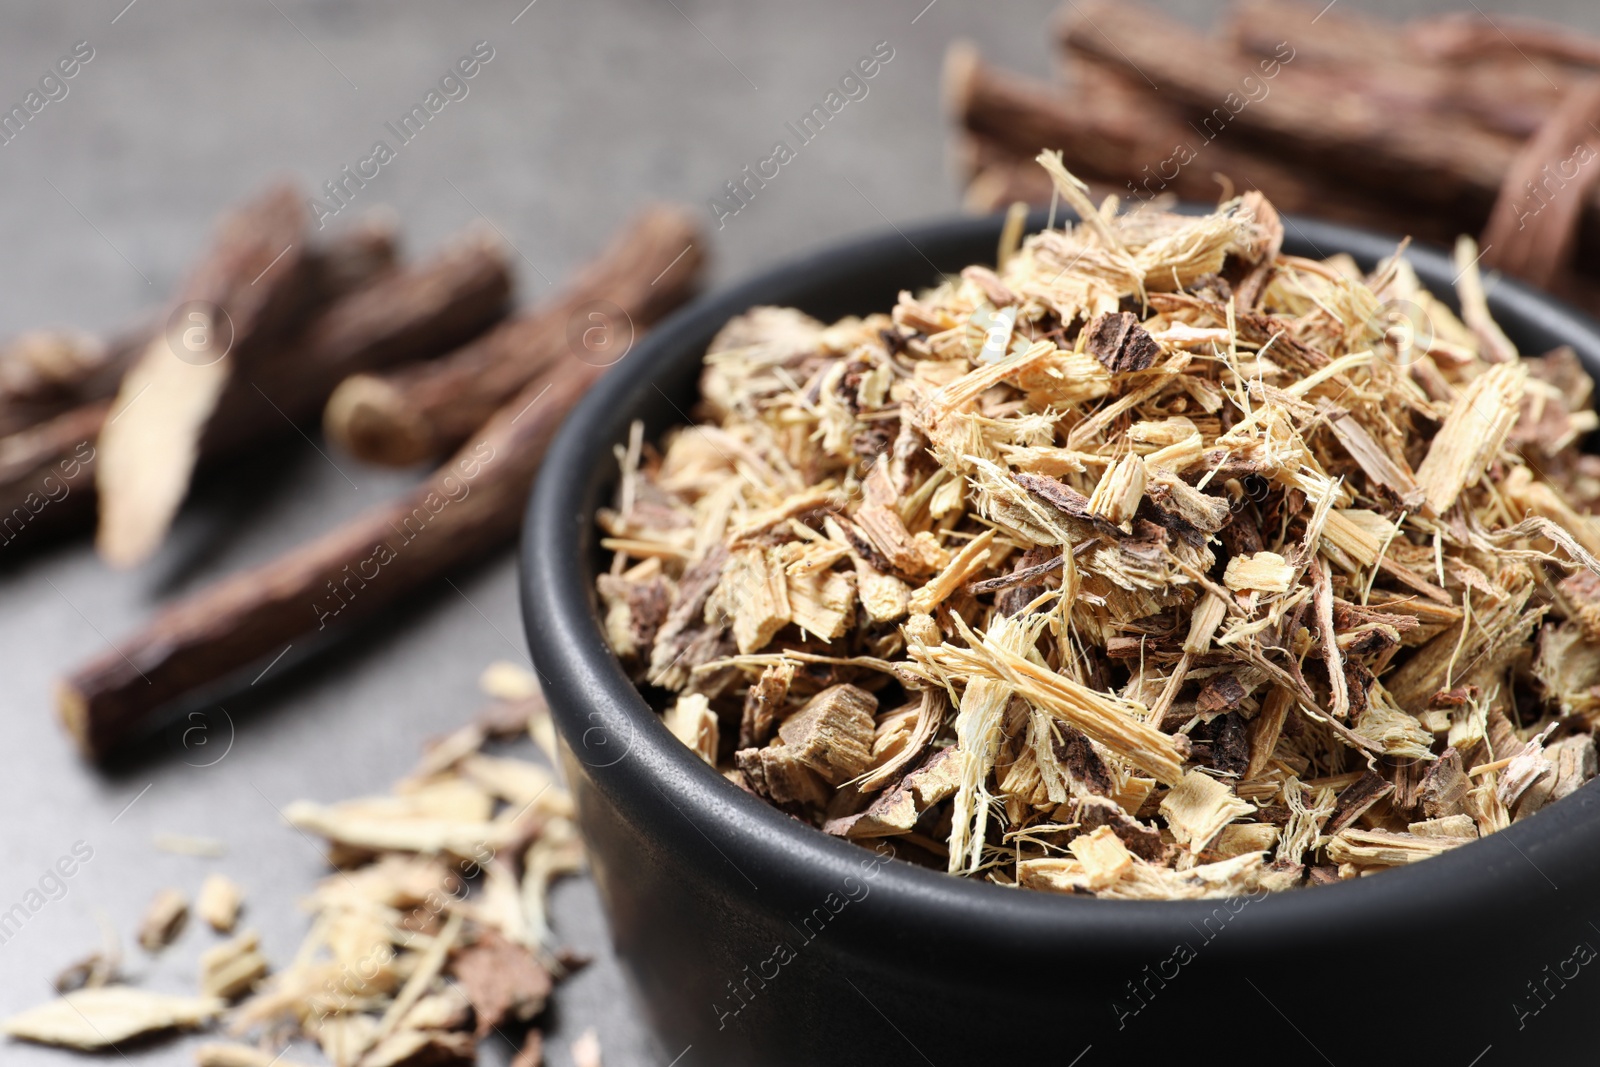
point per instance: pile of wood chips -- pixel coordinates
(430, 935)
(1152, 563)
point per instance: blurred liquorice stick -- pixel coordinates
(421, 412)
(392, 316)
(1431, 128)
(470, 505)
(1526, 236)
(45, 373)
(1112, 137)
(1418, 74)
(1458, 36)
(1306, 116)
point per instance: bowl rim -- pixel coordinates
(629, 757)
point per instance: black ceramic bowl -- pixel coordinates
(754, 939)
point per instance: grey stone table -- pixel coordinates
(584, 111)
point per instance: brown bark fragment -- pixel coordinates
(898, 808)
(163, 920)
(1356, 799)
(1444, 788)
(832, 734)
(685, 620)
(777, 774)
(1266, 728)
(1076, 754)
(502, 980)
(1573, 762)
(1220, 692)
(1230, 743)
(1141, 840)
(1120, 343)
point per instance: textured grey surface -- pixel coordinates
(585, 110)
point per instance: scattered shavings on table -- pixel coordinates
(1151, 564)
(430, 935)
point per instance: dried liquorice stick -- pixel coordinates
(353, 257)
(1499, 92)
(1449, 164)
(362, 568)
(47, 473)
(49, 372)
(419, 413)
(1452, 68)
(1459, 35)
(1110, 131)
(407, 316)
(400, 315)
(1532, 232)
(471, 504)
(222, 319)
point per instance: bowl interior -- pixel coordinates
(628, 755)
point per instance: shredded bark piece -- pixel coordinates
(93, 971)
(1357, 798)
(218, 903)
(1444, 788)
(1572, 761)
(763, 705)
(779, 775)
(1383, 848)
(1472, 434)
(232, 969)
(897, 810)
(930, 712)
(1120, 343)
(502, 980)
(163, 920)
(1104, 858)
(92, 1019)
(1095, 813)
(1198, 808)
(832, 734)
(692, 721)
(1220, 693)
